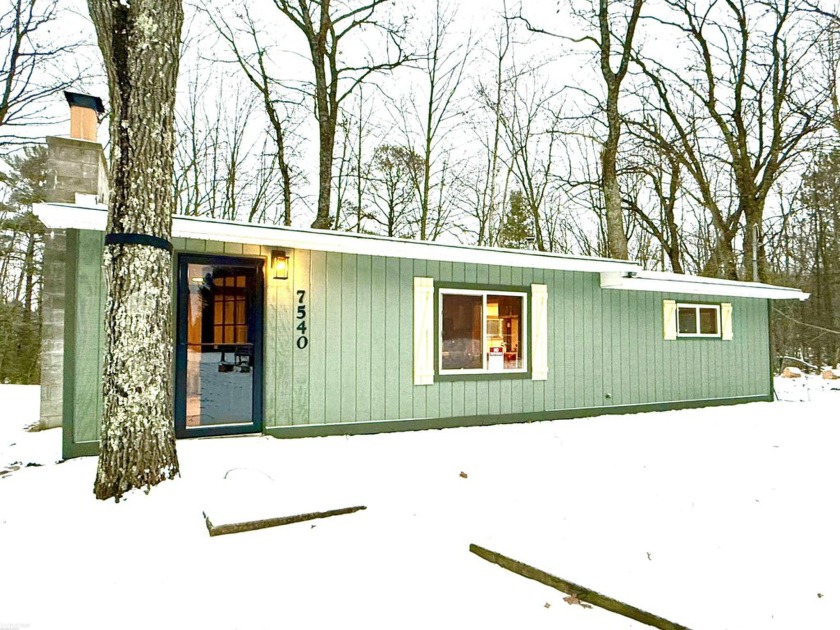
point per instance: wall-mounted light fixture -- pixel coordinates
(630, 274)
(280, 264)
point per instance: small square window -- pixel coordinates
(698, 320)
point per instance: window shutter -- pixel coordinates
(726, 321)
(669, 319)
(539, 332)
(424, 340)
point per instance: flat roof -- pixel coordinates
(696, 285)
(64, 216)
(615, 274)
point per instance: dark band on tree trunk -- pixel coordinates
(138, 239)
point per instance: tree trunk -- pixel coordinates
(616, 237)
(140, 46)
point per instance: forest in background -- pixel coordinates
(694, 137)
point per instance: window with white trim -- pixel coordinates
(482, 331)
(698, 320)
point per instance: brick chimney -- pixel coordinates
(76, 167)
(77, 174)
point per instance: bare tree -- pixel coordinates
(278, 107)
(327, 25)
(613, 79)
(393, 192)
(489, 192)
(224, 166)
(615, 22)
(530, 121)
(353, 171)
(829, 49)
(443, 67)
(140, 46)
(36, 65)
(654, 189)
(745, 104)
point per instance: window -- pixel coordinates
(230, 324)
(698, 320)
(482, 332)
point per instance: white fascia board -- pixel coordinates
(59, 216)
(696, 285)
(63, 216)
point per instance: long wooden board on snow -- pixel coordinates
(247, 526)
(581, 593)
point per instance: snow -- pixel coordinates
(716, 518)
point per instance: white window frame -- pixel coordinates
(697, 308)
(483, 293)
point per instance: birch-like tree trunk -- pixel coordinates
(139, 41)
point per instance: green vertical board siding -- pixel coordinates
(418, 392)
(195, 246)
(320, 338)
(391, 338)
(578, 343)
(362, 337)
(279, 336)
(606, 367)
(601, 342)
(331, 358)
(358, 364)
(648, 334)
(300, 377)
(273, 415)
(217, 247)
(378, 346)
(347, 327)
(89, 337)
(406, 338)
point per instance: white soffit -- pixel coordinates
(695, 285)
(68, 216)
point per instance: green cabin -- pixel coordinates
(295, 332)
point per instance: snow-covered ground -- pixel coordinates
(719, 518)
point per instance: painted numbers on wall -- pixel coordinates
(302, 340)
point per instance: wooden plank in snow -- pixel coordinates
(580, 593)
(248, 526)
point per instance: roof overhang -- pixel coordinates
(695, 285)
(69, 216)
(615, 274)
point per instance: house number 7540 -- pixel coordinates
(302, 340)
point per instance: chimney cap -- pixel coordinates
(75, 99)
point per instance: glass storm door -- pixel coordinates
(219, 353)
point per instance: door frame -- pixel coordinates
(256, 326)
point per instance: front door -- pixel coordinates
(218, 363)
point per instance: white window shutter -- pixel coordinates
(539, 332)
(726, 321)
(424, 331)
(669, 319)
